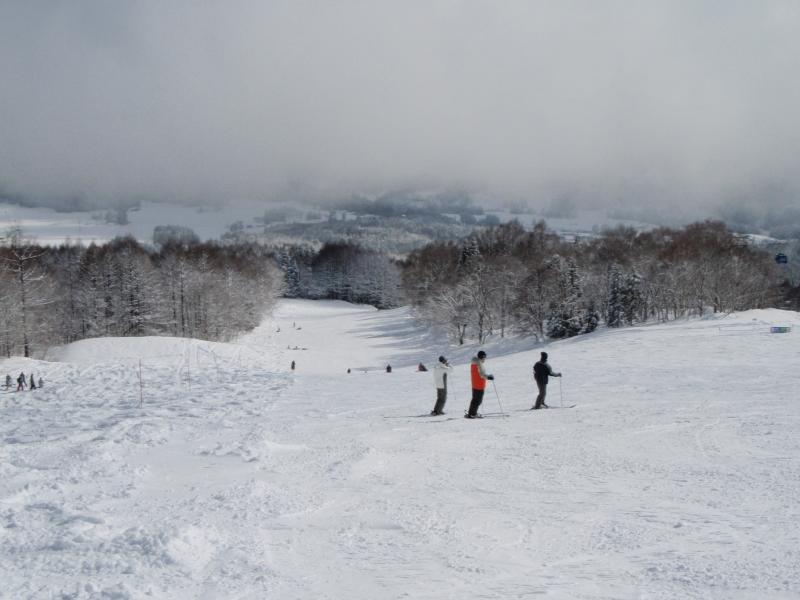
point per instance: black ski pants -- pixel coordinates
(542, 393)
(441, 399)
(477, 398)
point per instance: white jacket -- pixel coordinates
(439, 372)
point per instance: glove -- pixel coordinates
(490, 377)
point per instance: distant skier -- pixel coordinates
(9, 382)
(41, 382)
(348, 370)
(440, 372)
(421, 367)
(542, 372)
(479, 379)
(32, 385)
(292, 365)
(21, 382)
(388, 368)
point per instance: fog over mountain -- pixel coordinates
(686, 105)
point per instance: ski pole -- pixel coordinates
(494, 386)
(561, 390)
(469, 398)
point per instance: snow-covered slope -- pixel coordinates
(676, 476)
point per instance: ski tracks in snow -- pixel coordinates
(104, 498)
(239, 479)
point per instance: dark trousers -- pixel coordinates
(542, 393)
(477, 398)
(441, 398)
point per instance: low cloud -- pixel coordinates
(680, 104)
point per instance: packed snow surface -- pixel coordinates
(225, 475)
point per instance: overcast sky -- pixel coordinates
(687, 102)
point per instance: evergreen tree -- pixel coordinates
(470, 253)
(561, 323)
(564, 319)
(615, 311)
(291, 273)
(591, 319)
(630, 298)
(557, 323)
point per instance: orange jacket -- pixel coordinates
(478, 375)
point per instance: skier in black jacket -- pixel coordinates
(542, 373)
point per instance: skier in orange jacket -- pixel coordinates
(479, 379)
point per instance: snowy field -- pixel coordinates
(48, 227)
(677, 475)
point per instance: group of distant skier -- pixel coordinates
(23, 382)
(542, 371)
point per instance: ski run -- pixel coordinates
(179, 469)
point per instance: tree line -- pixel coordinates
(503, 280)
(52, 295)
(509, 280)
(341, 271)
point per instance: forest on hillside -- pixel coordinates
(56, 295)
(508, 280)
(504, 280)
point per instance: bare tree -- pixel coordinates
(21, 260)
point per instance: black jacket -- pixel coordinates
(542, 372)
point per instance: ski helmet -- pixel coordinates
(481, 354)
(442, 359)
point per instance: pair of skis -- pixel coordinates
(486, 415)
(489, 415)
(499, 414)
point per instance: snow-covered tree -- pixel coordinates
(615, 312)
(630, 298)
(21, 260)
(590, 319)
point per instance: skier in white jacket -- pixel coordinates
(440, 372)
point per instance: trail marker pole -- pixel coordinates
(561, 391)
